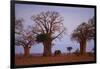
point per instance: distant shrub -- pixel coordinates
(77, 52)
(57, 52)
(69, 49)
(90, 53)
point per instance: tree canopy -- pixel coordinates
(48, 23)
(23, 37)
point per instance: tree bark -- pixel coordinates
(82, 47)
(47, 48)
(26, 51)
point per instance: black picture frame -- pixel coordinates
(12, 52)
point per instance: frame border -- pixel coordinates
(12, 35)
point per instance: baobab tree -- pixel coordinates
(48, 26)
(91, 24)
(82, 34)
(24, 38)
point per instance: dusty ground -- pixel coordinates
(32, 60)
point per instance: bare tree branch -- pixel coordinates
(58, 35)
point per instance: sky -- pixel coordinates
(73, 16)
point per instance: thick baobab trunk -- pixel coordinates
(82, 47)
(26, 51)
(47, 48)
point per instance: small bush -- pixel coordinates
(90, 54)
(77, 52)
(57, 52)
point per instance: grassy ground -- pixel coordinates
(32, 60)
